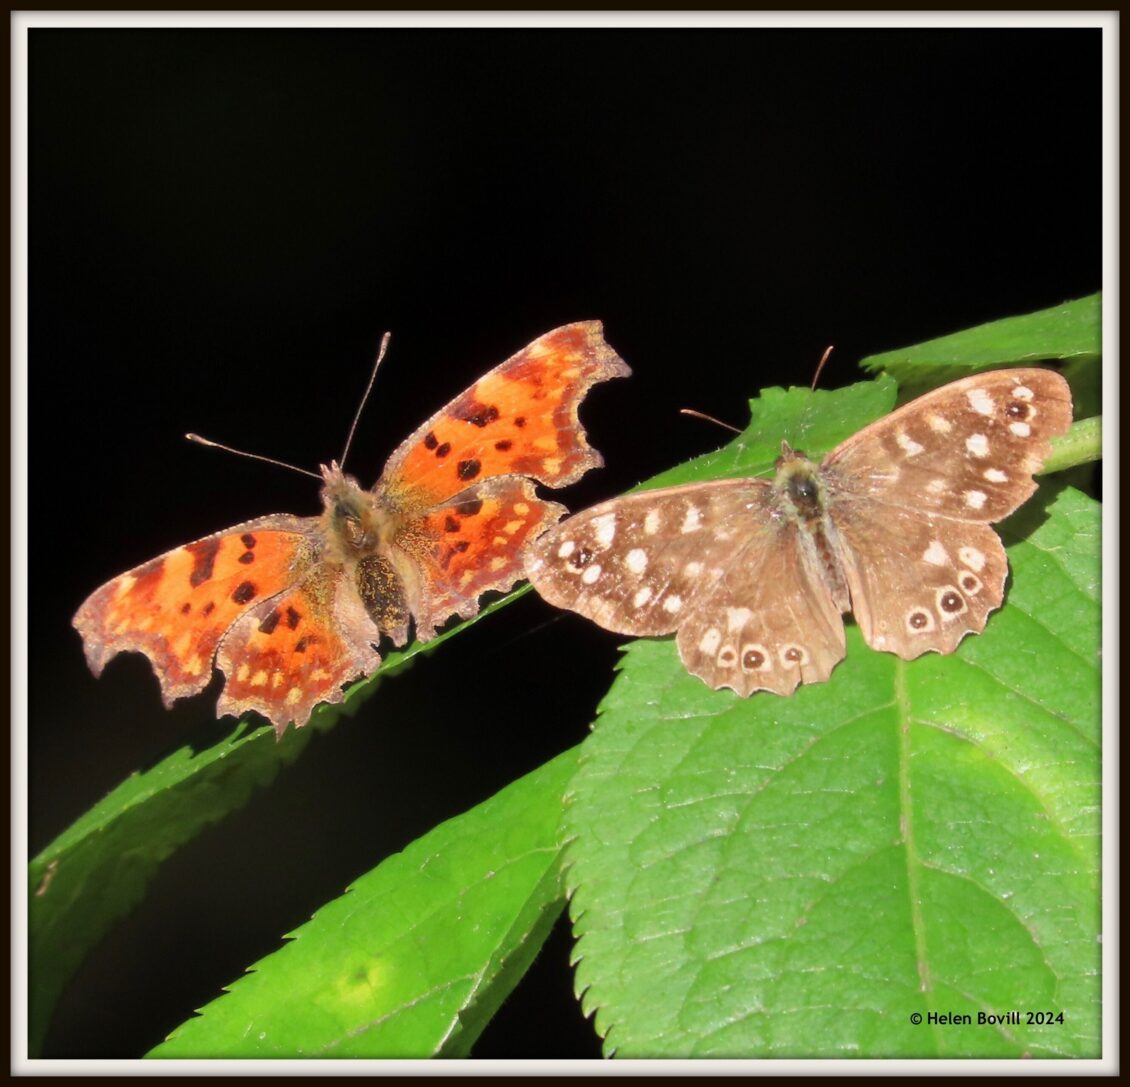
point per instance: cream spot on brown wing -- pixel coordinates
(1022, 392)
(935, 486)
(566, 549)
(980, 401)
(972, 558)
(1021, 430)
(978, 445)
(995, 475)
(791, 656)
(642, 596)
(736, 618)
(936, 554)
(939, 424)
(727, 657)
(709, 642)
(692, 569)
(673, 603)
(723, 534)
(907, 444)
(692, 520)
(975, 499)
(605, 528)
(636, 560)
(591, 574)
(651, 522)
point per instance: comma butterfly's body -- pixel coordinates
(892, 525)
(291, 608)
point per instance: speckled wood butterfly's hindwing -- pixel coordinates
(893, 525)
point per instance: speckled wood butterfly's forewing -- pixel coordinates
(893, 525)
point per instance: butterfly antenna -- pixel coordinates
(251, 456)
(820, 365)
(368, 389)
(709, 418)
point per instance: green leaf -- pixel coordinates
(97, 870)
(1072, 331)
(417, 956)
(797, 876)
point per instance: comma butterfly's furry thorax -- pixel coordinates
(892, 525)
(291, 608)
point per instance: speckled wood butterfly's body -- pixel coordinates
(892, 525)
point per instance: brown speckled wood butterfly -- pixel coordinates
(892, 525)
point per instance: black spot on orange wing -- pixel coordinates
(430, 440)
(244, 592)
(443, 450)
(470, 507)
(246, 558)
(519, 421)
(300, 645)
(504, 445)
(479, 415)
(450, 524)
(292, 618)
(203, 559)
(185, 608)
(462, 546)
(247, 540)
(468, 469)
(267, 626)
(208, 608)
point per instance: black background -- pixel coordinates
(222, 224)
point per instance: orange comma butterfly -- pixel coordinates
(291, 608)
(892, 525)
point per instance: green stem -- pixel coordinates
(1082, 444)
